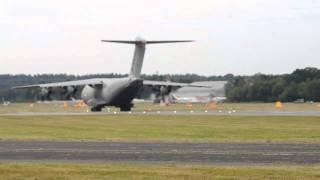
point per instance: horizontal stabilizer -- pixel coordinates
(161, 42)
(140, 48)
(123, 42)
(142, 41)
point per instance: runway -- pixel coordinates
(156, 152)
(188, 113)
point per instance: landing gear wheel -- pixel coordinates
(96, 109)
(125, 108)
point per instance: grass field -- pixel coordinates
(59, 107)
(161, 128)
(158, 128)
(120, 171)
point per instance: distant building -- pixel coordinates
(200, 95)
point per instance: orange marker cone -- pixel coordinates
(65, 105)
(213, 106)
(278, 105)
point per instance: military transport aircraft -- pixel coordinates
(118, 92)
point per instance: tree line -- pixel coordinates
(301, 84)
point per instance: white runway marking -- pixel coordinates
(192, 113)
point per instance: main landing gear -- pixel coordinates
(96, 109)
(123, 108)
(126, 107)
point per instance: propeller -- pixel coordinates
(45, 94)
(69, 92)
(163, 92)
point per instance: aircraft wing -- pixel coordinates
(63, 84)
(173, 84)
(100, 82)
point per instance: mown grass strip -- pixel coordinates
(127, 171)
(161, 128)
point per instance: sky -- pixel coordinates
(242, 37)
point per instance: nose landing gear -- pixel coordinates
(126, 107)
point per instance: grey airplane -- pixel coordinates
(118, 92)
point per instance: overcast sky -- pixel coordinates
(232, 36)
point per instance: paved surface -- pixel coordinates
(185, 153)
(212, 113)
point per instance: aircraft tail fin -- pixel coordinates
(140, 47)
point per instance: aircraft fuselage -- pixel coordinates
(117, 92)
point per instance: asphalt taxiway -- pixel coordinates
(161, 152)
